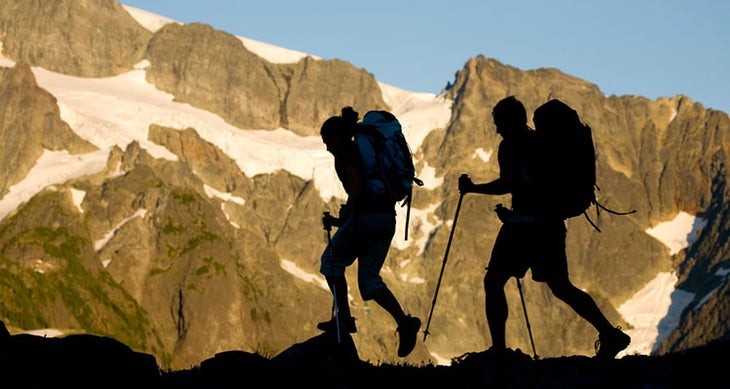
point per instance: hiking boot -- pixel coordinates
(407, 334)
(611, 342)
(347, 325)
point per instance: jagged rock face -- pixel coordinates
(87, 38)
(45, 249)
(317, 89)
(213, 70)
(259, 206)
(703, 271)
(29, 122)
(656, 157)
(206, 285)
(207, 161)
(653, 145)
(280, 221)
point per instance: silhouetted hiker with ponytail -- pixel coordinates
(531, 235)
(366, 225)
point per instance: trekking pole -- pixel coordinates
(335, 309)
(409, 201)
(443, 265)
(408, 212)
(524, 309)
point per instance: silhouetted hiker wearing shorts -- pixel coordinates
(529, 236)
(366, 227)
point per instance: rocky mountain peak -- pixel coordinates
(87, 38)
(213, 70)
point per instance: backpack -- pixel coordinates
(386, 157)
(567, 162)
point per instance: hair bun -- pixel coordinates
(350, 115)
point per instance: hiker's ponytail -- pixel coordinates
(349, 119)
(340, 127)
(349, 115)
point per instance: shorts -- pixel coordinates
(539, 246)
(365, 237)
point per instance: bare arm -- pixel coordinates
(494, 187)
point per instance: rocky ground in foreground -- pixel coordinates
(28, 361)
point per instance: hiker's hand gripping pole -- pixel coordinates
(327, 225)
(443, 265)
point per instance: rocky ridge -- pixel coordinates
(65, 36)
(29, 123)
(87, 361)
(213, 70)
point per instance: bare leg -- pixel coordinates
(496, 307)
(407, 326)
(338, 287)
(581, 302)
(385, 298)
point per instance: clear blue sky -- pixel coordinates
(650, 48)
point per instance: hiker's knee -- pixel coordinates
(368, 285)
(494, 281)
(562, 287)
(330, 268)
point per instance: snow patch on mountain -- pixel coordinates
(4, 61)
(213, 193)
(99, 244)
(482, 154)
(653, 312)
(77, 196)
(302, 274)
(273, 54)
(429, 176)
(418, 113)
(678, 233)
(148, 20)
(51, 168)
(422, 223)
(269, 52)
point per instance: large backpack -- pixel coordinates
(566, 162)
(387, 158)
